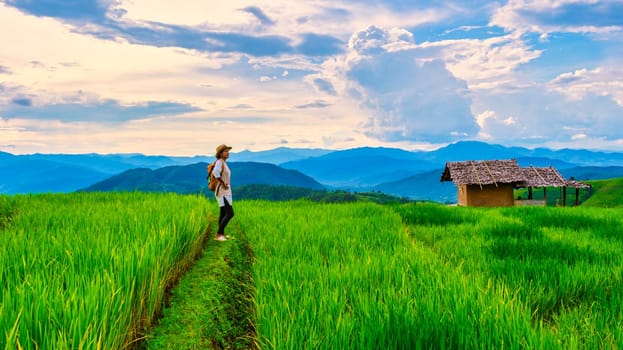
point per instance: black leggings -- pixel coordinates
(226, 213)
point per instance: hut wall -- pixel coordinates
(488, 196)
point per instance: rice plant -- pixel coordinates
(366, 276)
(89, 271)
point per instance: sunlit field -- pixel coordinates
(88, 271)
(364, 276)
(91, 271)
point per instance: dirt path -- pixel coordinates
(212, 305)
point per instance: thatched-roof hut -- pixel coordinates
(492, 182)
(484, 183)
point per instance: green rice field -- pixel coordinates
(93, 271)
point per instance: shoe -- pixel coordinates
(221, 238)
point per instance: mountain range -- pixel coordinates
(192, 178)
(409, 174)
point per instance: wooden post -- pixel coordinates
(577, 196)
(530, 192)
(564, 196)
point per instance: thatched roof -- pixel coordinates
(577, 184)
(542, 177)
(483, 172)
(548, 177)
(487, 172)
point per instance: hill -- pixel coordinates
(191, 178)
(606, 193)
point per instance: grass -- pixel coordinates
(311, 267)
(306, 275)
(7, 210)
(607, 193)
(89, 271)
(212, 306)
(365, 276)
(561, 274)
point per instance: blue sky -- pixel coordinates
(157, 77)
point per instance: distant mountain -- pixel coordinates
(115, 163)
(37, 173)
(23, 175)
(540, 162)
(192, 178)
(361, 167)
(476, 150)
(581, 157)
(367, 167)
(593, 173)
(278, 155)
(357, 169)
(423, 186)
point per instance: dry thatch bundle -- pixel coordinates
(483, 172)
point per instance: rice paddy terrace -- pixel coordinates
(141, 271)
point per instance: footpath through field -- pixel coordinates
(212, 306)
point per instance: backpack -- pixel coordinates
(212, 181)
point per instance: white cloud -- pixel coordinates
(375, 40)
(576, 137)
(188, 12)
(486, 63)
(68, 63)
(482, 118)
(603, 81)
(536, 114)
(492, 62)
(571, 16)
(509, 121)
(339, 18)
(407, 98)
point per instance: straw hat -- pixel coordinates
(220, 149)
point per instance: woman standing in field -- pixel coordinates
(223, 192)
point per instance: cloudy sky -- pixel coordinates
(180, 77)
